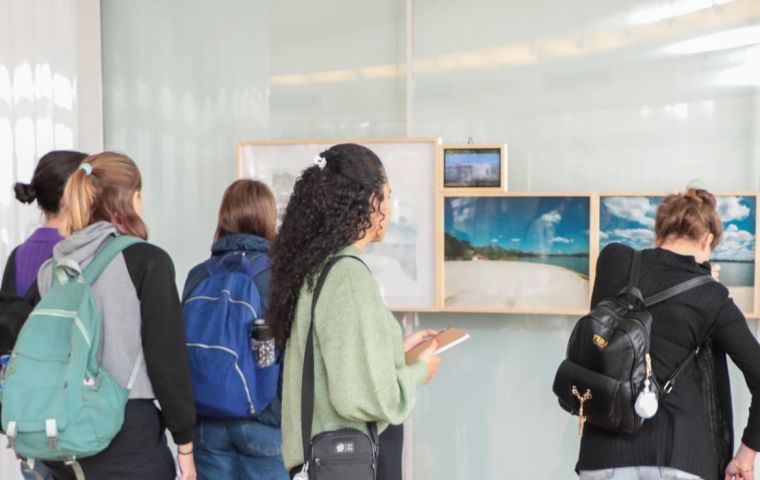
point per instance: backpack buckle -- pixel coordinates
(668, 386)
(51, 431)
(11, 432)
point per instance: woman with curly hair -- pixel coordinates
(338, 207)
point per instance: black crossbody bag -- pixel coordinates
(346, 454)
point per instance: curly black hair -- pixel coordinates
(330, 208)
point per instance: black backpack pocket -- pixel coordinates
(600, 407)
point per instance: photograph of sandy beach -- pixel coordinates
(516, 253)
(630, 220)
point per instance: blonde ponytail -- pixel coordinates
(102, 190)
(78, 200)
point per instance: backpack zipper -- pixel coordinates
(229, 296)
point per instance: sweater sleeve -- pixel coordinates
(735, 338)
(362, 349)
(163, 337)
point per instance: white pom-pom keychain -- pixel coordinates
(647, 402)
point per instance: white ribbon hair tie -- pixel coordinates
(319, 162)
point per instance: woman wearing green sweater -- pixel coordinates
(338, 207)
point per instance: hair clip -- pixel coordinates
(319, 161)
(87, 168)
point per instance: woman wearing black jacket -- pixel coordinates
(681, 441)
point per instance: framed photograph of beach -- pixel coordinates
(404, 263)
(517, 253)
(474, 166)
(630, 219)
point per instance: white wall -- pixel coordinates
(50, 98)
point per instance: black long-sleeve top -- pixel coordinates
(163, 336)
(678, 436)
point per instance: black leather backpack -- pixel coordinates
(608, 360)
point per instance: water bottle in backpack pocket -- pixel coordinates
(229, 380)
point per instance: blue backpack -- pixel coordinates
(230, 380)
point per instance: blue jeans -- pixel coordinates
(637, 473)
(240, 449)
(39, 472)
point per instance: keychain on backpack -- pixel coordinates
(646, 402)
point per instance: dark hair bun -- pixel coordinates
(24, 192)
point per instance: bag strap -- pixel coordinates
(678, 289)
(633, 280)
(307, 381)
(670, 293)
(106, 254)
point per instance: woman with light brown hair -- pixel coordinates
(226, 300)
(141, 318)
(690, 436)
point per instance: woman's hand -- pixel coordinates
(418, 337)
(742, 466)
(431, 360)
(186, 462)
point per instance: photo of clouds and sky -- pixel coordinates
(630, 220)
(527, 253)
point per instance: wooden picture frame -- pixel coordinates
(578, 282)
(483, 150)
(639, 214)
(404, 264)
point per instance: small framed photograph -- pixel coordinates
(475, 166)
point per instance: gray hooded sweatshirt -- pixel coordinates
(120, 340)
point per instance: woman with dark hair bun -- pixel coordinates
(19, 279)
(691, 435)
(338, 207)
(46, 187)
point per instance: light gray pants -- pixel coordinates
(637, 473)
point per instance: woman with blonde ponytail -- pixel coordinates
(140, 315)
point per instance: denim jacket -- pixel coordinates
(253, 246)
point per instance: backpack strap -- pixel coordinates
(631, 291)
(135, 371)
(307, 380)
(670, 293)
(251, 267)
(633, 279)
(259, 264)
(106, 254)
(678, 289)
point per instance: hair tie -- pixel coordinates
(87, 168)
(319, 161)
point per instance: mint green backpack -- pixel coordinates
(57, 401)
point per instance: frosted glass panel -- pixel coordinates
(38, 101)
(336, 69)
(178, 95)
(613, 95)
